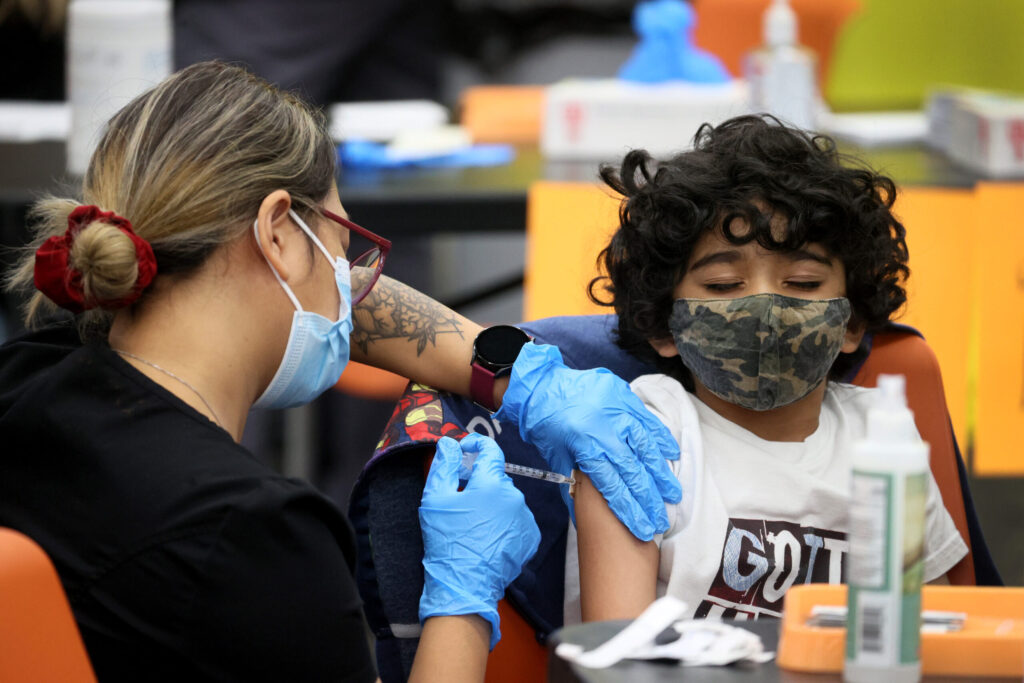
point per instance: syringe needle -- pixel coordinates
(534, 473)
(469, 457)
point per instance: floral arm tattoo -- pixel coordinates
(394, 311)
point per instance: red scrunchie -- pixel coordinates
(55, 278)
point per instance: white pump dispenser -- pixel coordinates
(886, 558)
(891, 421)
(780, 24)
(781, 73)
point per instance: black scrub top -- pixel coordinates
(184, 558)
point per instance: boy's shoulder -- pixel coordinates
(849, 397)
(656, 379)
(659, 389)
(849, 404)
(670, 402)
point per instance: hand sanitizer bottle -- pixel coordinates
(886, 557)
(781, 74)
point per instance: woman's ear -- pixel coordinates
(854, 334)
(273, 227)
(665, 346)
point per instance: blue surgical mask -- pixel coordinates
(317, 348)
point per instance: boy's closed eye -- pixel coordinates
(805, 285)
(719, 288)
(804, 281)
(722, 287)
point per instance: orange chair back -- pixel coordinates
(518, 656)
(366, 381)
(899, 352)
(39, 640)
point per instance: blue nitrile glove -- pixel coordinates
(666, 50)
(364, 154)
(475, 541)
(591, 420)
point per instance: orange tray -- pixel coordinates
(991, 642)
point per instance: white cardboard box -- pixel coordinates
(986, 134)
(382, 121)
(604, 119)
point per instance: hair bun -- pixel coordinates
(99, 261)
(104, 255)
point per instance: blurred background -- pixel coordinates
(513, 237)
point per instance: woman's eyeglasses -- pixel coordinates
(372, 249)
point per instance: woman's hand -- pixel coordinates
(475, 541)
(591, 421)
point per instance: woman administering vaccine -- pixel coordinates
(206, 268)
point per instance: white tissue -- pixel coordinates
(701, 642)
(708, 643)
(655, 619)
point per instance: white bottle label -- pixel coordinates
(869, 531)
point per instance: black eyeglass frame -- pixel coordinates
(383, 245)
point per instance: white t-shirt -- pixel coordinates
(758, 517)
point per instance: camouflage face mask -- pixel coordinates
(761, 351)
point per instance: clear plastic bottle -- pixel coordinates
(782, 74)
(886, 557)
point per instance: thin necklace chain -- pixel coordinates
(171, 374)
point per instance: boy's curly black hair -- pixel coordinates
(734, 168)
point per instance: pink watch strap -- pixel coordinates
(481, 387)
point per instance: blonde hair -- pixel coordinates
(188, 163)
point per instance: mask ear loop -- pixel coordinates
(316, 240)
(284, 285)
(340, 263)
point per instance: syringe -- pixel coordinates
(469, 457)
(534, 473)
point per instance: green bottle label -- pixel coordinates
(915, 501)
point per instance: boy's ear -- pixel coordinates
(854, 334)
(664, 346)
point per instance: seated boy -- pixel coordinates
(747, 269)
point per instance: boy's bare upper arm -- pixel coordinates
(618, 572)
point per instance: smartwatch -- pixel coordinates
(495, 349)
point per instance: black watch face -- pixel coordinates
(500, 345)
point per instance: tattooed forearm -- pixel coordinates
(395, 311)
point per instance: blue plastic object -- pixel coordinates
(666, 51)
(363, 154)
(475, 541)
(591, 420)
